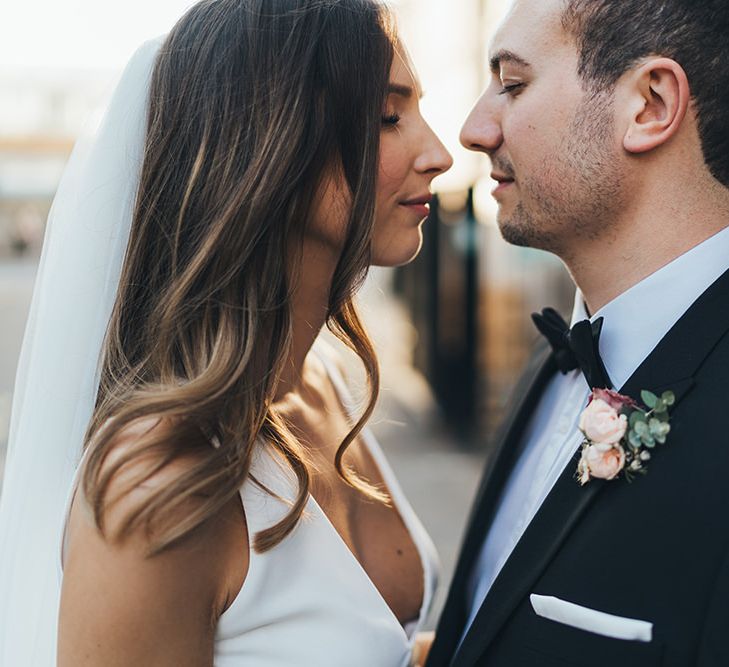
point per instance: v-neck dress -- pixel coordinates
(308, 602)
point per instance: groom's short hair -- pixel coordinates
(613, 35)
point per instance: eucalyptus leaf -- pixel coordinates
(635, 417)
(649, 398)
(641, 428)
(635, 440)
(657, 427)
(661, 435)
(659, 430)
(660, 407)
(669, 398)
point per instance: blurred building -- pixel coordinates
(41, 114)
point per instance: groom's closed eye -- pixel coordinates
(511, 89)
(502, 58)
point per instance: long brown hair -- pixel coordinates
(252, 103)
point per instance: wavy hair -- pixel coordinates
(253, 103)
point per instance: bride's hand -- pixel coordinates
(421, 648)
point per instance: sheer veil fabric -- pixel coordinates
(57, 378)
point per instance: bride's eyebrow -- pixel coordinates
(506, 56)
(403, 91)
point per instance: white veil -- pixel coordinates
(57, 378)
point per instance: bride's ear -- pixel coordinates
(658, 97)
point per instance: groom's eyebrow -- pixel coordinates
(506, 56)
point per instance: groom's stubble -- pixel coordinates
(574, 193)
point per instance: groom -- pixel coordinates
(607, 124)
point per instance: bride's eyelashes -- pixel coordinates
(390, 120)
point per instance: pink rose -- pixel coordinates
(601, 461)
(613, 399)
(600, 422)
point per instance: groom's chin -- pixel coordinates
(515, 230)
(516, 236)
(520, 227)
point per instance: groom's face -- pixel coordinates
(551, 142)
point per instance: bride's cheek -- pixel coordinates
(392, 170)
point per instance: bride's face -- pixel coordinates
(411, 156)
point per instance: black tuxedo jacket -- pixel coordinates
(656, 549)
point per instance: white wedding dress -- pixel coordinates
(308, 602)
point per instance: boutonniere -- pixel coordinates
(619, 435)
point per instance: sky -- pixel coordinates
(85, 34)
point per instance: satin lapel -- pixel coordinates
(672, 365)
(539, 370)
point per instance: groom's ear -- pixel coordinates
(658, 97)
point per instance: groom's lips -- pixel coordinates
(503, 182)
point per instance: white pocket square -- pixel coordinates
(591, 620)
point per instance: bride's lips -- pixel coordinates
(419, 205)
(504, 182)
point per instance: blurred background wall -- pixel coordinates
(469, 293)
(457, 325)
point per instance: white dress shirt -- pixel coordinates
(634, 323)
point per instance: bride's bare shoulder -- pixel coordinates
(183, 589)
(139, 472)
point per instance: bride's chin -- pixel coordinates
(400, 252)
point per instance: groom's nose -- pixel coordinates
(482, 130)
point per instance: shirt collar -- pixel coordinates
(637, 320)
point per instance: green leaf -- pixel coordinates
(641, 428)
(662, 416)
(658, 427)
(649, 398)
(635, 417)
(669, 398)
(649, 441)
(635, 440)
(660, 436)
(660, 407)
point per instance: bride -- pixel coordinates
(228, 506)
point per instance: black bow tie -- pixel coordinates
(576, 347)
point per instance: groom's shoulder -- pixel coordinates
(711, 377)
(699, 420)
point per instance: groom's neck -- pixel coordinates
(647, 236)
